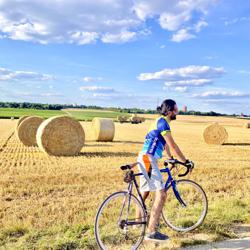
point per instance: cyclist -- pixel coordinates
(157, 140)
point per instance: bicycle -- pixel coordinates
(116, 226)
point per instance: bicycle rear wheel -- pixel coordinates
(116, 225)
(185, 218)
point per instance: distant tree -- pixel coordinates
(28, 105)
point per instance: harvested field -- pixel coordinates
(6, 130)
(51, 202)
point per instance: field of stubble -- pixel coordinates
(50, 202)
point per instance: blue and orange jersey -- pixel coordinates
(154, 143)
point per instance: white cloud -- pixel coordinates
(182, 35)
(85, 22)
(236, 20)
(121, 96)
(146, 9)
(50, 94)
(80, 22)
(181, 79)
(193, 83)
(81, 37)
(9, 75)
(210, 57)
(185, 34)
(102, 95)
(97, 89)
(184, 73)
(223, 101)
(122, 37)
(200, 25)
(244, 71)
(92, 79)
(181, 89)
(172, 22)
(34, 95)
(221, 94)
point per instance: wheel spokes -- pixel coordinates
(118, 225)
(185, 218)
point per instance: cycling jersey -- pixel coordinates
(154, 143)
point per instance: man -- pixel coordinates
(157, 140)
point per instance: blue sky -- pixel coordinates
(127, 53)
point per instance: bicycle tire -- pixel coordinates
(103, 242)
(183, 221)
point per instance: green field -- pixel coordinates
(88, 115)
(82, 115)
(16, 112)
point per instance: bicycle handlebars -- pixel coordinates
(174, 162)
(125, 167)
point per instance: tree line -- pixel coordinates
(42, 106)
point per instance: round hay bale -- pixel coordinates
(122, 118)
(215, 134)
(247, 125)
(104, 129)
(20, 120)
(26, 131)
(60, 136)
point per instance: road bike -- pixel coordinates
(116, 225)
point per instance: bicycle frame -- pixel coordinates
(170, 182)
(130, 188)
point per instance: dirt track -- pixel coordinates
(235, 244)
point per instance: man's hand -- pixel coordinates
(189, 164)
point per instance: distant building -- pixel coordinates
(184, 109)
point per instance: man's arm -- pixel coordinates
(174, 148)
(169, 156)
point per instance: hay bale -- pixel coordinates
(26, 131)
(247, 125)
(104, 129)
(215, 134)
(60, 136)
(143, 119)
(136, 119)
(122, 118)
(20, 120)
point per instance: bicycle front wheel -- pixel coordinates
(116, 224)
(188, 216)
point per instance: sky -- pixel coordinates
(132, 53)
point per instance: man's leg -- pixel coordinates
(160, 197)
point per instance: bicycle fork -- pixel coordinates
(177, 194)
